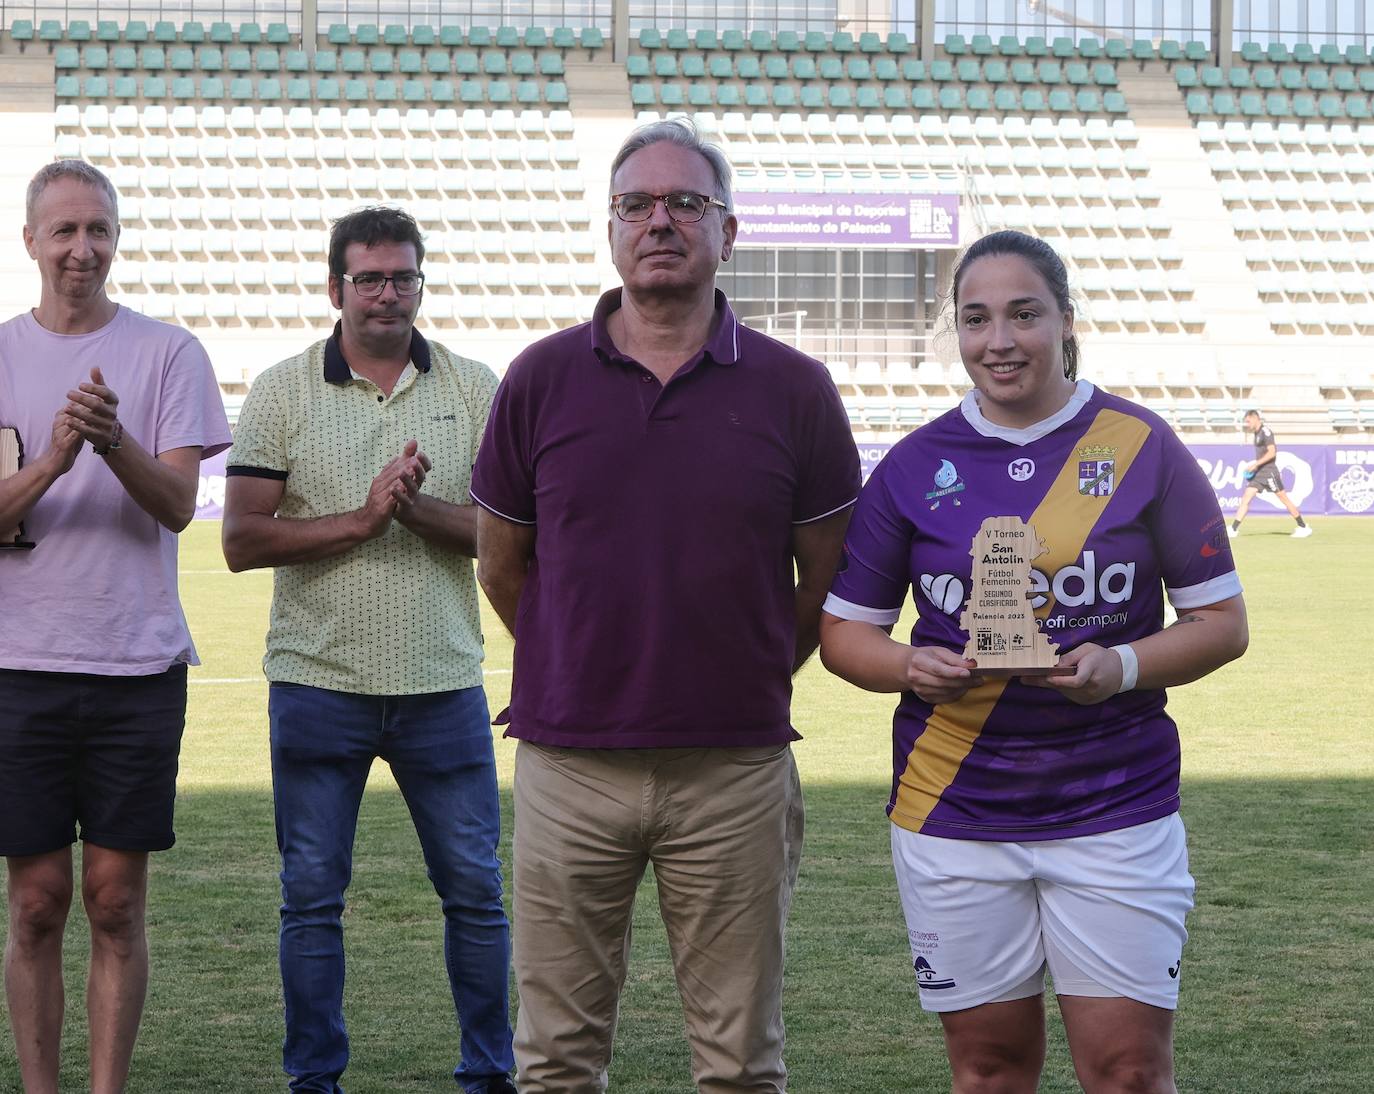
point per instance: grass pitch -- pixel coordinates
(1278, 798)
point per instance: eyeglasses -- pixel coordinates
(684, 207)
(370, 284)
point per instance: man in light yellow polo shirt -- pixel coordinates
(349, 474)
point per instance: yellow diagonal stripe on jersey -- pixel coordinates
(1063, 520)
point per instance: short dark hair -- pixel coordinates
(370, 226)
(1046, 262)
(1252, 413)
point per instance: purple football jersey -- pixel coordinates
(1125, 513)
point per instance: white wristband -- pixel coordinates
(1130, 666)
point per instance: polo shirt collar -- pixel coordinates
(722, 347)
(336, 370)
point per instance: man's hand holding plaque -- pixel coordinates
(1004, 637)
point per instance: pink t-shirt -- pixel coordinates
(99, 592)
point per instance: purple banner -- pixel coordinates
(796, 219)
(1322, 480)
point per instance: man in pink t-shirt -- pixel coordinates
(114, 412)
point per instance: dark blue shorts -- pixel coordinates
(98, 752)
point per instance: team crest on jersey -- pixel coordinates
(947, 485)
(1096, 470)
(1021, 469)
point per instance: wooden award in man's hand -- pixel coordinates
(1003, 635)
(11, 458)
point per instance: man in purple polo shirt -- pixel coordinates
(647, 483)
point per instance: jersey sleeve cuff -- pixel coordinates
(497, 512)
(1212, 591)
(843, 609)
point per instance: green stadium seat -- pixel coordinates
(184, 87)
(1356, 55)
(840, 97)
(885, 69)
(152, 58)
(955, 45)
(564, 38)
(499, 91)
(441, 91)
(982, 45)
(278, 34)
(842, 42)
(1035, 46)
(269, 90)
(451, 36)
(1330, 54)
(50, 30)
(693, 66)
(211, 87)
(897, 42)
(1317, 79)
(106, 30)
(1050, 72)
(831, 68)
(951, 98)
(1304, 54)
(665, 65)
(1366, 79)
(760, 41)
(1088, 102)
(125, 58)
(21, 30)
(814, 42)
(1090, 48)
(812, 97)
(1142, 50)
(941, 71)
(556, 93)
(895, 98)
(1291, 78)
(355, 91)
(705, 40)
(1266, 77)
(78, 30)
(238, 60)
(1063, 48)
(1170, 51)
(1251, 53)
(1196, 51)
(748, 67)
(1343, 80)
(1104, 75)
(1238, 77)
(353, 61)
(1304, 106)
(551, 64)
(699, 95)
(221, 33)
(859, 69)
(1277, 53)
(69, 57)
(466, 63)
(125, 87)
(1061, 101)
(394, 34)
(1008, 45)
(1357, 107)
(866, 98)
(409, 62)
(325, 61)
(721, 68)
(995, 72)
(1212, 77)
(641, 95)
(1032, 101)
(327, 89)
(165, 31)
(978, 99)
(733, 40)
(678, 39)
(670, 94)
(423, 35)
(923, 97)
(784, 96)
(385, 91)
(1118, 49)
(787, 41)
(776, 68)
(650, 39)
(240, 89)
(1076, 73)
(915, 71)
(870, 42)
(67, 87)
(297, 90)
(1185, 76)
(1197, 102)
(591, 38)
(209, 59)
(413, 91)
(1331, 107)
(969, 71)
(182, 60)
(338, 34)
(479, 37)
(637, 66)
(755, 96)
(1113, 102)
(1276, 105)
(250, 34)
(367, 34)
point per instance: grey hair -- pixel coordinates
(68, 169)
(681, 132)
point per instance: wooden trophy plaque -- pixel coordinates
(1004, 637)
(11, 459)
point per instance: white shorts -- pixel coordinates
(1104, 912)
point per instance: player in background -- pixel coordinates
(1261, 474)
(1035, 819)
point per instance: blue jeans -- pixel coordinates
(440, 751)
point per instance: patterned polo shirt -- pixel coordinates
(396, 615)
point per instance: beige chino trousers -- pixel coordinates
(723, 829)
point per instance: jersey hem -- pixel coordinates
(992, 834)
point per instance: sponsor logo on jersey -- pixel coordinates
(947, 485)
(945, 591)
(1214, 539)
(1021, 469)
(927, 979)
(1096, 470)
(1078, 585)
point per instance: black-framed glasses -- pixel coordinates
(683, 206)
(374, 284)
